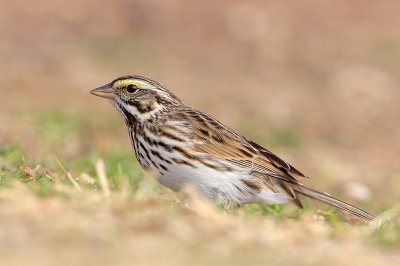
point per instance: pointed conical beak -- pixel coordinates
(105, 91)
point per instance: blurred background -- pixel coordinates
(317, 82)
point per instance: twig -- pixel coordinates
(101, 173)
(74, 183)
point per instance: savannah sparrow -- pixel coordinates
(184, 145)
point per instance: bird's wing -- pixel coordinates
(224, 143)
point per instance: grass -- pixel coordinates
(49, 219)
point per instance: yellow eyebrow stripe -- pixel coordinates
(126, 82)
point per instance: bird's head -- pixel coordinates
(137, 96)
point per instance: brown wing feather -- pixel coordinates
(224, 143)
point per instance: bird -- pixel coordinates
(185, 146)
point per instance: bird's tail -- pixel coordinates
(328, 199)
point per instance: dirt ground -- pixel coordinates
(317, 82)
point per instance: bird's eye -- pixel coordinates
(131, 88)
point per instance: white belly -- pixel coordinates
(216, 185)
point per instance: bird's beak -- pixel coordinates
(105, 91)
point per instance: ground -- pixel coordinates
(315, 82)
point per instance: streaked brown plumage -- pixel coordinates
(185, 145)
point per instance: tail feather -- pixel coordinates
(326, 198)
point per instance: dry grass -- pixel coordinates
(66, 226)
